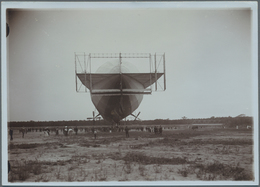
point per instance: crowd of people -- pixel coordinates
(66, 130)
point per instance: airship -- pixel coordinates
(117, 87)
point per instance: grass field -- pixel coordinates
(205, 154)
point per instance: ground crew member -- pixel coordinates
(57, 131)
(126, 132)
(23, 130)
(65, 131)
(76, 130)
(11, 134)
(160, 129)
(48, 131)
(9, 166)
(95, 133)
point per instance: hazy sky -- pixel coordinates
(208, 60)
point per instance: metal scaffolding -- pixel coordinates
(83, 66)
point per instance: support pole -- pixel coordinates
(150, 60)
(90, 77)
(76, 73)
(85, 72)
(155, 71)
(164, 72)
(120, 62)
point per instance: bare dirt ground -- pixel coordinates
(181, 155)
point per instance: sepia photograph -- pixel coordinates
(129, 93)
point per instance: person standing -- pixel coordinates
(76, 130)
(23, 131)
(126, 132)
(160, 130)
(9, 166)
(11, 134)
(95, 133)
(65, 131)
(48, 131)
(57, 131)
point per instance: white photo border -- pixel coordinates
(132, 5)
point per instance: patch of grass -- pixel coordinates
(98, 156)
(178, 140)
(157, 168)
(101, 141)
(125, 178)
(115, 167)
(237, 149)
(98, 162)
(11, 177)
(63, 145)
(223, 142)
(25, 146)
(103, 175)
(95, 175)
(210, 171)
(128, 168)
(46, 178)
(71, 176)
(51, 163)
(81, 173)
(139, 146)
(143, 159)
(142, 169)
(21, 171)
(72, 167)
(57, 173)
(61, 162)
(85, 175)
(36, 167)
(243, 176)
(166, 176)
(80, 159)
(39, 178)
(183, 171)
(170, 169)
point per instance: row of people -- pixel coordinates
(66, 130)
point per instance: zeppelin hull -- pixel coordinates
(117, 88)
(113, 108)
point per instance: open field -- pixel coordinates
(179, 154)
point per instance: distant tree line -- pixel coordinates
(55, 123)
(227, 121)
